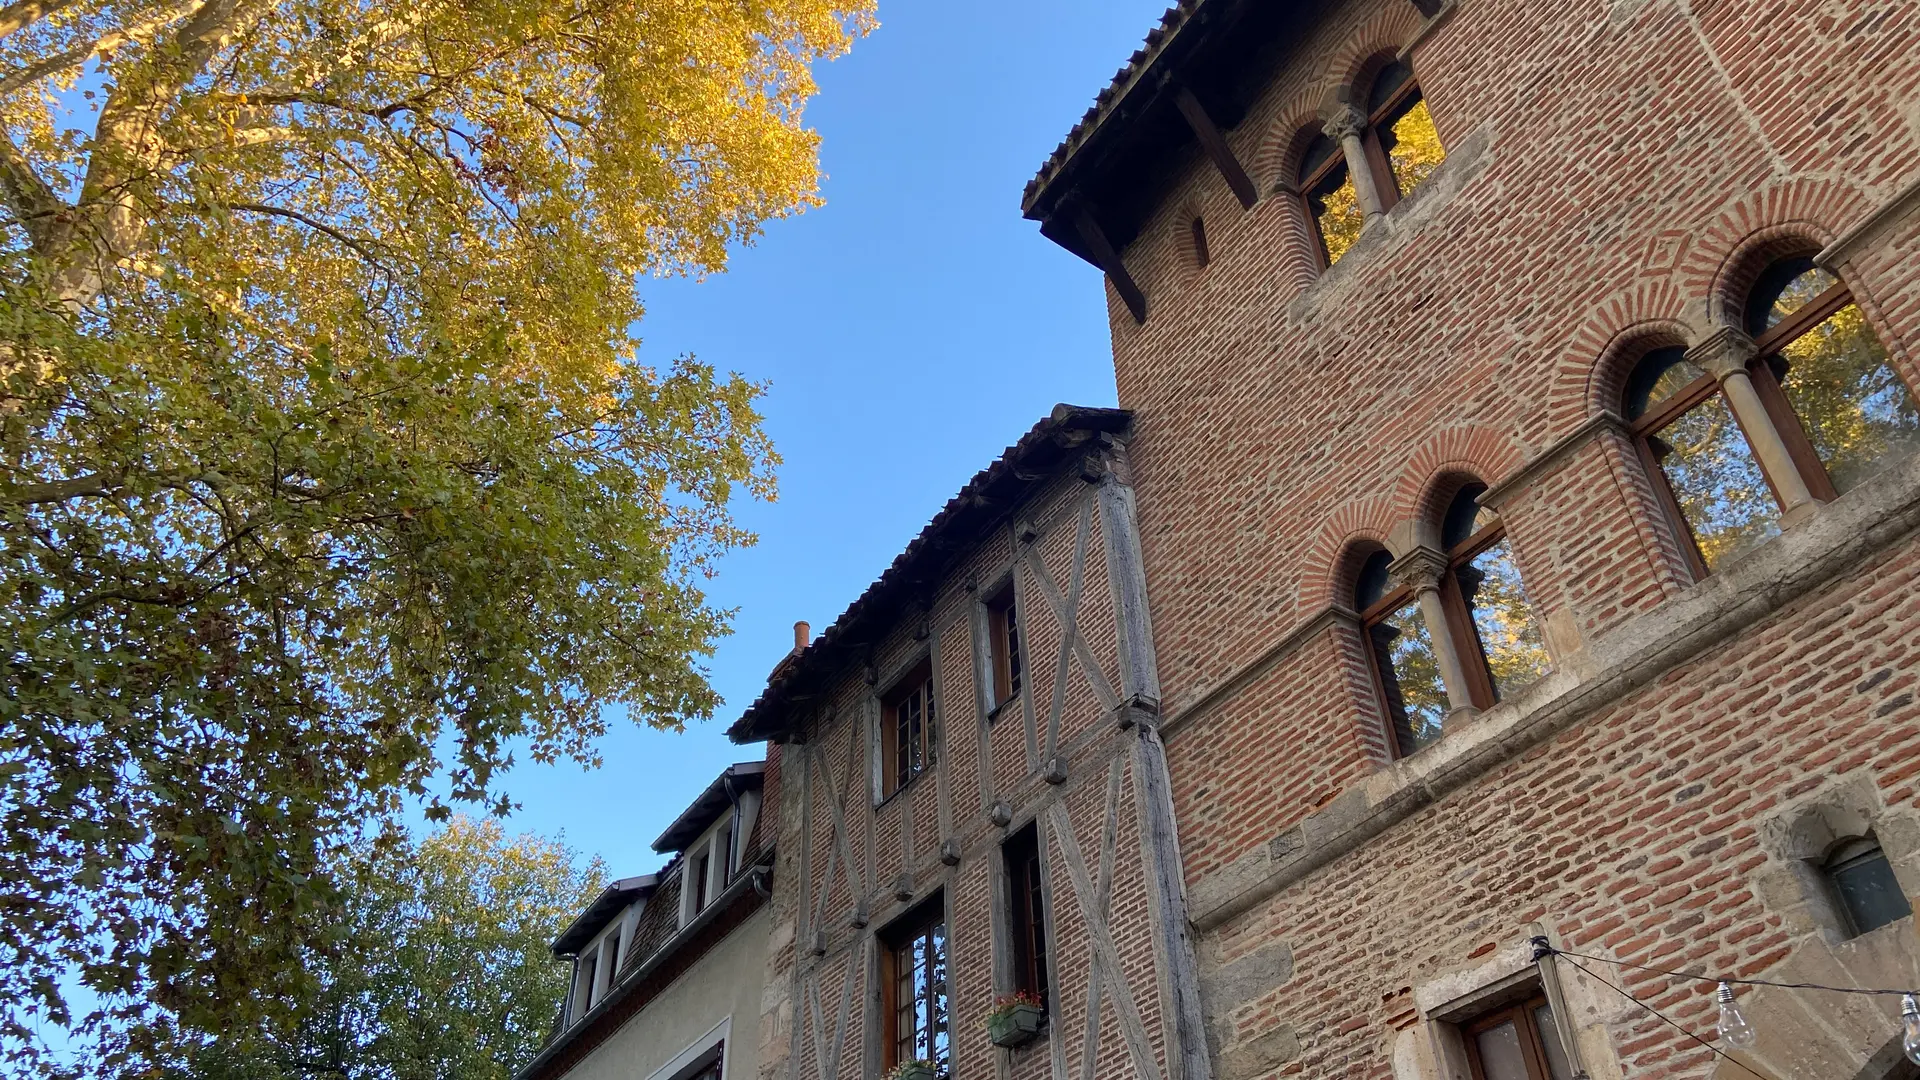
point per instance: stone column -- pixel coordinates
(1725, 354)
(1345, 124)
(1420, 569)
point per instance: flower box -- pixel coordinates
(1017, 1025)
(913, 1070)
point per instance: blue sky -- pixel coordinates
(909, 330)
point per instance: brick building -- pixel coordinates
(1521, 394)
(1508, 531)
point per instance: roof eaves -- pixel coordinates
(956, 525)
(708, 805)
(1109, 100)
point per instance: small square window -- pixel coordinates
(1516, 1042)
(1865, 891)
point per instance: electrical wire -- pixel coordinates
(1664, 1018)
(1541, 944)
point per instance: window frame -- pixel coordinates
(1006, 669)
(1309, 182)
(1393, 599)
(917, 682)
(1660, 416)
(1385, 182)
(1027, 914)
(1460, 625)
(1832, 864)
(1766, 381)
(917, 925)
(1521, 1013)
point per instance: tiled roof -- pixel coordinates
(982, 502)
(1107, 100)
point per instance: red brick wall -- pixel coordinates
(1635, 162)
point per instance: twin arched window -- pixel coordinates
(1815, 411)
(1453, 630)
(1397, 146)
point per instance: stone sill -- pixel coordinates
(1838, 537)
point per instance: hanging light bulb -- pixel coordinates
(1734, 1029)
(1910, 1019)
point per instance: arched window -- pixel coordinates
(1400, 650)
(1487, 608)
(1699, 458)
(1825, 368)
(1332, 203)
(1865, 892)
(1829, 405)
(1401, 138)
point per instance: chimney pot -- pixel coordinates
(802, 634)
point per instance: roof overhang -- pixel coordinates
(710, 804)
(1116, 163)
(985, 501)
(612, 900)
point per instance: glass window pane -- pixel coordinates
(1716, 481)
(1465, 516)
(1503, 620)
(1387, 83)
(1409, 677)
(1372, 583)
(1856, 411)
(1784, 289)
(1557, 1065)
(1501, 1056)
(1868, 891)
(1660, 375)
(1413, 146)
(1337, 212)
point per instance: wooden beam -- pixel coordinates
(1216, 147)
(1109, 260)
(1429, 8)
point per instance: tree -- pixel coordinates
(327, 462)
(447, 976)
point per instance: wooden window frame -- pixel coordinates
(1007, 671)
(698, 869)
(900, 937)
(1395, 598)
(1377, 161)
(1306, 188)
(1521, 1014)
(897, 774)
(1027, 913)
(1460, 625)
(1660, 416)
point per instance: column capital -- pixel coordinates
(1420, 569)
(1343, 121)
(1724, 353)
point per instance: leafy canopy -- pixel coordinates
(447, 975)
(327, 464)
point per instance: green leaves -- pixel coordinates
(329, 473)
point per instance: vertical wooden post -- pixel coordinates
(1140, 693)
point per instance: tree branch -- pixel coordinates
(359, 246)
(24, 13)
(28, 74)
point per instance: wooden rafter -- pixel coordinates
(1108, 259)
(1215, 144)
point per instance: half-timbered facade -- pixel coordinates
(975, 799)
